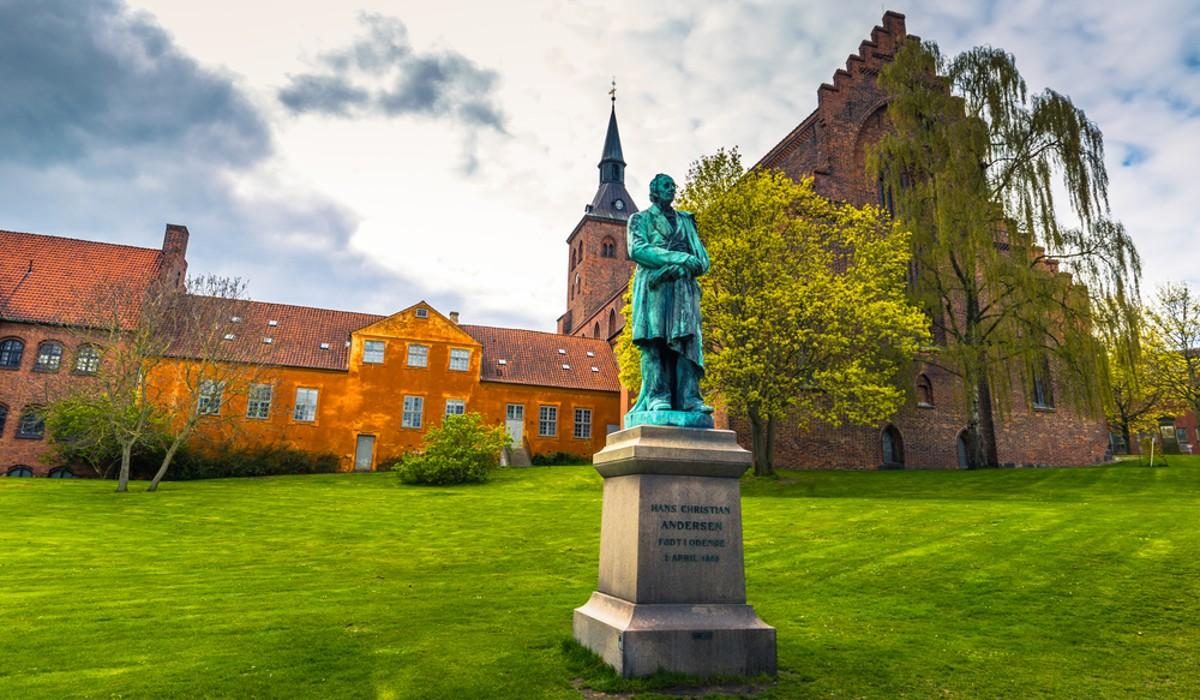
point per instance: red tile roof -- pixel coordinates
(48, 279)
(296, 337)
(533, 357)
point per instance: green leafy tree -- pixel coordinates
(461, 450)
(804, 309)
(1176, 319)
(971, 167)
(1140, 369)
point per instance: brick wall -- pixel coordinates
(593, 279)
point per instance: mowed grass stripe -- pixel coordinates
(1017, 583)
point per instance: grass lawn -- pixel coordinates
(1005, 583)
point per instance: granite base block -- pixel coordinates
(699, 640)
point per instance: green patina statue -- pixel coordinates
(666, 312)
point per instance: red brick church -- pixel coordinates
(829, 145)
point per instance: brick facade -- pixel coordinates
(598, 263)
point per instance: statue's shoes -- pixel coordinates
(659, 406)
(702, 408)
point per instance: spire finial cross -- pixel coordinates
(612, 93)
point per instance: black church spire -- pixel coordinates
(612, 200)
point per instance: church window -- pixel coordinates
(1043, 390)
(32, 426)
(49, 356)
(893, 447)
(608, 248)
(612, 321)
(10, 353)
(596, 330)
(87, 360)
(924, 391)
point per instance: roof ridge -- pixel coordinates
(81, 240)
(529, 330)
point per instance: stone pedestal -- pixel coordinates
(672, 589)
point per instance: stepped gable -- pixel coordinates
(829, 144)
(50, 279)
(533, 357)
(296, 337)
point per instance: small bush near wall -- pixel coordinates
(559, 459)
(461, 450)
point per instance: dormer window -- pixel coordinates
(272, 323)
(422, 313)
(229, 336)
(324, 346)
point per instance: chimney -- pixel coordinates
(174, 249)
(454, 317)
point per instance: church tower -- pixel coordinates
(598, 264)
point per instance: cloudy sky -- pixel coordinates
(364, 155)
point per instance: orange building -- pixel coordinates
(364, 387)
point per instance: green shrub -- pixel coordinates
(461, 450)
(558, 459)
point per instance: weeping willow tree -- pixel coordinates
(972, 168)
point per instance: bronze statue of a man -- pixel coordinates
(666, 310)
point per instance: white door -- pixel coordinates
(363, 452)
(514, 421)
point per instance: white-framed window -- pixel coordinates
(547, 421)
(583, 423)
(306, 405)
(460, 359)
(455, 407)
(422, 312)
(373, 352)
(209, 402)
(87, 359)
(414, 407)
(418, 355)
(258, 401)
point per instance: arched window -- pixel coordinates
(608, 248)
(1043, 389)
(3, 418)
(32, 426)
(581, 251)
(49, 356)
(924, 391)
(20, 470)
(61, 473)
(573, 261)
(578, 283)
(960, 445)
(612, 322)
(87, 360)
(10, 353)
(893, 447)
(596, 330)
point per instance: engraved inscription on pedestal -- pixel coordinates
(671, 592)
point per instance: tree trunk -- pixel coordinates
(770, 449)
(758, 444)
(976, 454)
(987, 423)
(1125, 437)
(123, 477)
(166, 463)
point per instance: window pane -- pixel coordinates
(10, 352)
(418, 355)
(373, 352)
(547, 421)
(31, 425)
(455, 407)
(258, 404)
(583, 423)
(87, 360)
(49, 357)
(210, 397)
(414, 406)
(306, 405)
(460, 359)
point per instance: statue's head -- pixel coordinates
(662, 189)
